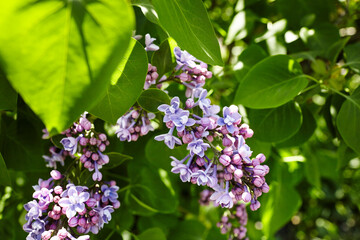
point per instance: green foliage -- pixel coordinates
(61, 75)
(187, 22)
(150, 99)
(271, 83)
(126, 85)
(152, 234)
(4, 174)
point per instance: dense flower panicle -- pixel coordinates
(234, 222)
(85, 209)
(135, 123)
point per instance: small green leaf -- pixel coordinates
(159, 154)
(306, 130)
(163, 59)
(152, 234)
(8, 96)
(348, 121)
(333, 52)
(4, 174)
(271, 83)
(151, 98)
(116, 159)
(188, 23)
(276, 124)
(148, 10)
(60, 55)
(352, 56)
(126, 85)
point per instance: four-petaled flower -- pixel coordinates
(104, 214)
(182, 120)
(229, 118)
(184, 58)
(149, 45)
(168, 139)
(243, 149)
(44, 196)
(182, 169)
(198, 147)
(70, 144)
(171, 109)
(74, 202)
(110, 193)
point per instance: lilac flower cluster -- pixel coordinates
(85, 143)
(229, 170)
(193, 72)
(58, 209)
(133, 124)
(234, 222)
(151, 76)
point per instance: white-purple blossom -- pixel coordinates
(183, 58)
(70, 144)
(74, 202)
(243, 149)
(109, 193)
(149, 45)
(183, 170)
(168, 139)
(33, 210)
(171, 109)
(104, 214)
(182, 120)
(35, 229)
(229, 118)
(198, 147)
(44, 196)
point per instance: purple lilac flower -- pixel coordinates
(243, 149)
(33, 209)
(183, 58)
(74, 202)
(169, 139)
(44, 196)
(203, 102)
(104, 214)
(182, 169)
(110, 193)
(230, 118)
(70, 144)
(171, 109)
(35, 229)
(182, 120)
(97, 175)
(54, 159)
(198, 147)
(149, 43)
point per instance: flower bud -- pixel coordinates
(62, 233)
(200, 161)
(58, 190)
(91, 202)
(236, 159)
(154, 75)
(227, 142)
(46, 235)
(225, 160)
(55, 238)
(265, 188)
(228, 176)
(189, 103)
(258, 182)
(246, 197)
(231, 168)
(116, 204)
(210, 138)
(238, 173)
(55, 174)
(255, 205)
(94, 156)
(93, 141)
(228, 151)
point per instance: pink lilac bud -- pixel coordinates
(228, 176)
(95, 219)
(231, 168)
(56, 199)
(236, 159)
(83, 159)
(205, 122)
(238, 173)
(246, 196)
(116, 204)
(58, 190)
(228, 151)
(198, 134)
(259, 170)
(200, 161)
(187, 138)
(181, 134)
(266, 168)
(83, 141)
(257, 192)
(93, 141)
(102, 147)
(170, 124)
(87, 164)
(265, 187)
(261, 157)
(88, 154)
(97, 196)
(82, 222)
(189, 103)
(208, 74)
(95, 156)
(57, 209)
(137, 129)
(255, 162)
(154, 75)
(80, 229)
(62, 233)
(225, 160)
(46, 235)
(227, 142)
(55, 174)
(184, 77)
(91, 202)
(55, 238)
(134, 137)
(258, 182)
(210, 138)
(102, 137)
(255, 205)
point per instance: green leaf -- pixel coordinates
(306, 130)
(60, 55)
(147, 9)
(163, 59)
(247, 59)
(8, 96)
(348, 121)
(163, 221)
(241, 25)
(280, 204)
(152, 234)
(276, 124)
(151, 98)
(159, 154)
(333, 52)
(4, 174)
(352, 56)
(188, 23)
(312, 166)
(116, 159)
(189, 230)
(126, 85)
(271, 83)
(215, 234)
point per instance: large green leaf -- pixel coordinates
(276, 124)
(8, 97)
(60, 55)
(148, 9)
(188, 23)
(152, 98)
(189, 230)
(281, 203)
(163, 59)
(159, 154)
(4, 174)
(348, 121)
(271, 83)
(352, 56)
(126, 84)
(152, 234)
